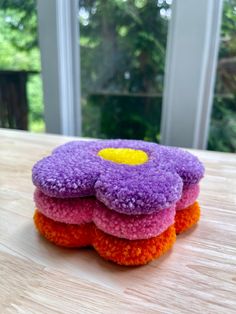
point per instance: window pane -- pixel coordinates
(122, 46)
(21, 100)
(223, 122)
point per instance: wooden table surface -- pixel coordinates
(197, 276)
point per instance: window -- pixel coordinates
(21, 100)
(223, 121)
(122, 51)
(122, 64)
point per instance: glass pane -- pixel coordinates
(21, 103)
(122, 46)
(223, 122)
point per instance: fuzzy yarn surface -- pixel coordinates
(189, 196)
(187, 218)
(121, 251)
(87, 210)
(79, 169)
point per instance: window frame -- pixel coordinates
(189, 81)
(58, 39)
(188, 84)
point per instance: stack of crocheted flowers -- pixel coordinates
(126, 198)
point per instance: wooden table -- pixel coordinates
(197, 276)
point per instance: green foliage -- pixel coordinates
(19, 51)
(122, 46)
(18, 36)
(14, 57)
(132, 117)
(122, 64)
(222, 135)
(122, 55)
(34, 89)
(20, 23)
(228, 30)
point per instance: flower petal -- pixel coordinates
(138, 192)
(75, 147)
(189, 196)
(66, 175)
(188, 166)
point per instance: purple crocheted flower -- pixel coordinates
(129, 176)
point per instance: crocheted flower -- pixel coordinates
(128, 176)
(87, 210)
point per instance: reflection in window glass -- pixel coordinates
(223, 122)
(122, 46)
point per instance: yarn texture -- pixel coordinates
(125, 198)
(120, 251)
(86, 210)
(76, 170)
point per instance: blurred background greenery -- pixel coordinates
(123, 46)
(19, 51)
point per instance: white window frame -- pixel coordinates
(59, 38)
(191, 59)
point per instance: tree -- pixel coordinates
(20, 51)
(123, 46)
(19, 40)
(122, 64)
(223, 122)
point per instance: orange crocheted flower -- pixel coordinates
(62, 234)
(121, 251)
(187, 217)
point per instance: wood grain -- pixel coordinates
(197, 276)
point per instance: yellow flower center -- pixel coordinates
(126, 156)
